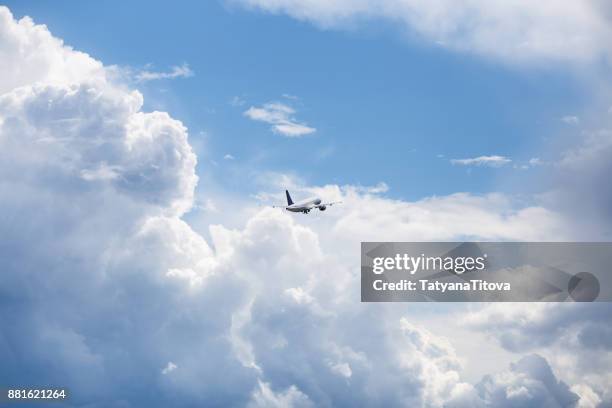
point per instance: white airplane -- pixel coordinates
(306, 205)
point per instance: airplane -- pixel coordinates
(306, 205)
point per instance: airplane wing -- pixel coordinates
(279, 206)
(331, 203)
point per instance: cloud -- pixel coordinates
(529, 326)
(594, 146)
(381, 187)
(588, 398)
(42, 57)
(581, 189)
(237, 101)
(366, 215)
(342, 369)
(575, 337)
(169, 368)
(144, 156)
(486, 161)
(280, 116)
(528, 383)
(571, 120)
(264, 397)
(531, 163)
(535, 161)
(176, 71)
(93, 193)
(228, 157)
(513, 31)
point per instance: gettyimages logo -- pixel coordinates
(412, 265)
(485, 272)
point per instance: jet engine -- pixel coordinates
(322, 207)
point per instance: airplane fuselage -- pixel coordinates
(304, 206)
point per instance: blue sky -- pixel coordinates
(384, 105)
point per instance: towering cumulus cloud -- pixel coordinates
(105, 289)
(92, 189)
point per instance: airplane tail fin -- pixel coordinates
(289, 200)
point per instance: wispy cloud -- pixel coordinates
(176, 71)
(281, 117)
(169, 368)
(535, 161)
(571, 120)
(228, 157)
(511, 31)
(237, 101)
(486, 161)
(379, 188)
(530, 164)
